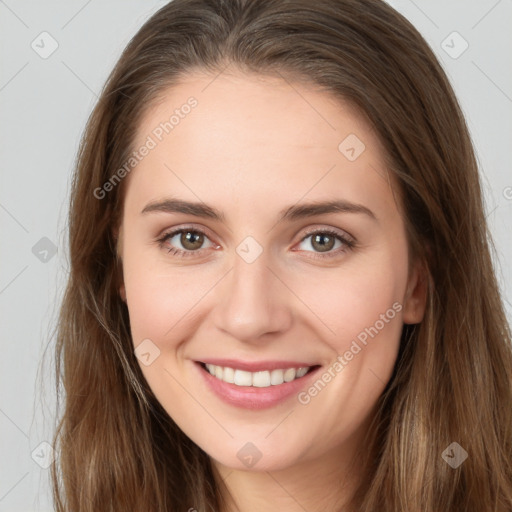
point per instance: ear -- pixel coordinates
(415, 299)
(117, 234)
(122, 292)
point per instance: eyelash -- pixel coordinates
(347, 242)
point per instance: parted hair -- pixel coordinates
(452, 382)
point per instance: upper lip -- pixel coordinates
(256, 366)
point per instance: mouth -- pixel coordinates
(257, 379)
(273, 383)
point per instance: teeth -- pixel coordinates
(289, 374)
(241, 378)
(229, 375)
(302, 371)
(263, 379)
(276, 377)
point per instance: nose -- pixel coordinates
(252, 301)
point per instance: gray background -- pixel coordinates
(44, 106)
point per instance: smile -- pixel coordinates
(260, 379)
(255, 385)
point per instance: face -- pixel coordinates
(250, 278)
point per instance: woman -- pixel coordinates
(281, 294)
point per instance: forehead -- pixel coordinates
(254, 108)
(256, 138)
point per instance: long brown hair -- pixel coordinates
(452, 382)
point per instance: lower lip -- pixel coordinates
(254, 398)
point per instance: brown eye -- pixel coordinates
(185, 242)
(331, 243)
(191, 240)
(322, 242)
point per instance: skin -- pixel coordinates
(253, 146)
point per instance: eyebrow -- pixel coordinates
(291, 213)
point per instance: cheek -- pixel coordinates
(358, 314)
(159, 294)
(352, 298)
(159, 304)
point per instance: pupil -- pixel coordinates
(191, 238)
(323, 247)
